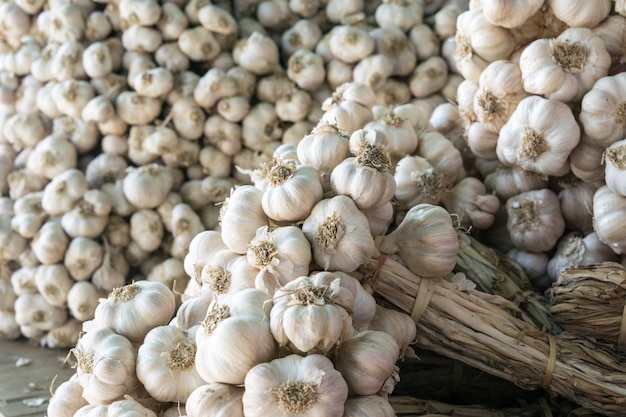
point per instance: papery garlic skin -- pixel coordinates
(539, 136)
(510, 13)
(479, 42)
(219, 400)
(615, 164)
(304, 385)
(339, 234)
(574, 250)
(66, 399)
(237, 319)
(499, 92)
(425, 239)
(535, 222)
(535, 265)
(608, 207)
(309, 316)
(134, 309)
(292, 191)
(241, 215)
(105, 365)
(469, 200)
(580, 13)
(417, 182)
(367, 361)
(603, 110)
(281, 254)
(566, 67)
(166, 364)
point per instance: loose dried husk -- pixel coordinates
(495, 273)
(589, 301)
(491, 333)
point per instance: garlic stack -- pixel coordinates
(541, 105)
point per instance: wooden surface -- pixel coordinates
(30, 383)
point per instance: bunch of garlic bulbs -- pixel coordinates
(123, 123)
(286, 283)
(541, 105)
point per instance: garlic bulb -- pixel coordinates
(479, 42)
(299, 308)
(118, 408)
(539, 136)
(66, 399)
(535, 222)
(226, 272)
(54, 283)
(574, 250)
(367, 361)
(281, 254)
(134, 309)
(33, 311)
(441, 154)
(82, 300)
(401, 14)
(535, 265)
(603, 110)
(366, 177)
(469, 200)
(417, 182)
(82, 257)
(241, 214)
(105, 366)
(256, 53)
(572, 62)
(608, 206)
(50, 243)
(148, 185)
(218, 400)
(499, 92)
(339, 234)
(166, 364)
(193, 309)
(323, 148)
(363, 404)
(509, 181)
(52, 155)
(89, 216)
(576, 201)
(201, 249)
(614, 167)
(237, 319)
(510, 14)
(580, 13)
(302, 385)
(425, 239)
(395, 323)
(292, 190)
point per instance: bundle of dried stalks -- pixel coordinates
(495, 273)
(491, 333)
(589, 301)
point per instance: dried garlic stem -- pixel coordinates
(533, 144)
(182, 356)
(572, 57)
(295, 397)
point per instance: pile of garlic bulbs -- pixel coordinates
(278, 316)
(542, 106)
(124, 122)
